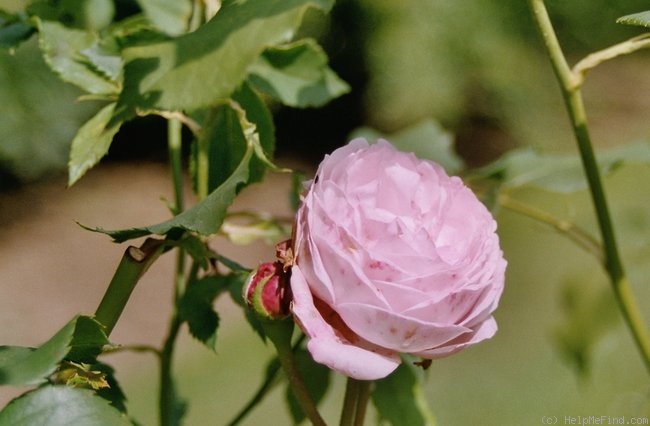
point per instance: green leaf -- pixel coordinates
(80, 340)
(195, 307)
(427, 140)
(62, 49)
(297, 75)
(559, 173)
(399, 399)
(588, 315)
(316, 378)
(199, 69)
(91, 143)
(224, 138)
(169, 16)
(207, 216)
(14, 29)
(641, 19)
(61, 406)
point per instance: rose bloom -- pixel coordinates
(391, 256)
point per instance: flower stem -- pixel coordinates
(570, 86)
(134, 263)
(355, 402)
(279, 332)
(169, 406)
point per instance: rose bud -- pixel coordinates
(391, 256)
(267, 291)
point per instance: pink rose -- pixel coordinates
(392, 256)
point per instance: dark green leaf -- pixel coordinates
(195, 307)
(91, 15)
(169, 16)
(14, 29)
(258, 114)
(113, 393)
(297, 75)
(317, 380)
(62, 49)
(427, 140)
(91, 143)
(559, 173)
(223, 138)
(61, 406)
(81, 340)
(199, 69)
(641, 19)
(399, 399)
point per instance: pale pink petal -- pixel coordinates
(329, 347)
(486, 330)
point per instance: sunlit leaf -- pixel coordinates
(61, 406)
(399, 399)
(641, 19)
(316, 378)
(61, 47)
(91, 143)
(297, 74)
(169, 16)
(559, 173)
(81, 340)
(427, 140)
(198, 69)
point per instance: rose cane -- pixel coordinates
(268, 294)
(391, 256)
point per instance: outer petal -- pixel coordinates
(329, 347)
(485, 331)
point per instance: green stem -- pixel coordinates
(349, 402)
(134, 263)
(355, 402)
(279, 332)
(168, 404)
(576, 234)
(570, 85)
(174, 147)
(362, 402)
(265, 387)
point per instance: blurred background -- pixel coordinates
(475, 67)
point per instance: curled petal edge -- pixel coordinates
(330, 348)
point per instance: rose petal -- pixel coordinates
(394, 331)
(330, 348)
(486, 330)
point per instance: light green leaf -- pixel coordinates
(559, 173)
(316, 378)
(427, 140)
(198, 69)
(81, 339)
(297, 74)
(169, 16)
(91, 143)
(61, 406)
(399, 399)
(641, 19)
(62, 47)
(589, 313)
